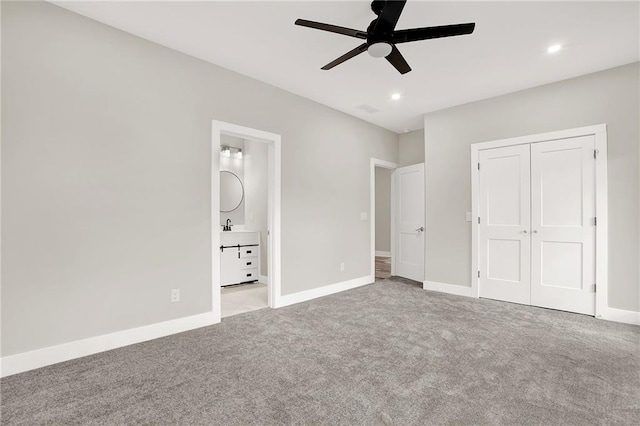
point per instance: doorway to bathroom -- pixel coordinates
(245, 219)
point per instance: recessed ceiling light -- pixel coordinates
(406, 130)
(554, 48)
(395, 96)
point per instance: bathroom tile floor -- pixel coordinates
(241, 298)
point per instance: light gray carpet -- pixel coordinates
(388, 353)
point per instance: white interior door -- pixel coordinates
(410, 218)
(504, 214)
(563, 228)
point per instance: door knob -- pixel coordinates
(535, 231)
(421, 229)
(525, 231)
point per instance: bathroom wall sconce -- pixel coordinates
(228, 151)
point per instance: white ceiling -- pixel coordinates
(506, 53)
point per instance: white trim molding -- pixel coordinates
(621, 315)
(599, 131)
(383, 253)
(458, 290)
(314, 293)
(542, 137)
(26, 361)
(602, 230)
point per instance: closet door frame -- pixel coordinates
(600, 135)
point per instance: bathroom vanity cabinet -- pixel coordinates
(239, 257)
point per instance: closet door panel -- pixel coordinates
(563, 228)
(504, 205)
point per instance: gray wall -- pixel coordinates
(106, 178)
(383, 209)
(609, 97)
(256, 182)
(411, 148)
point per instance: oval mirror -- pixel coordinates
(231, 191)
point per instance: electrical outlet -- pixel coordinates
(342, 267)
(468, 217)
(363, 216)
(175, 295)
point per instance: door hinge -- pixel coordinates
(595, 154)
(593, 288)
(478, 166)
(478, 274)
(478, 219)
(595, 221)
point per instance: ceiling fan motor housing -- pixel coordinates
(379, 44)
(374, 36)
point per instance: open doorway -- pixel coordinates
(382, 218)
(244, 248)
(397, 216)
(383, 222)
(245, 219)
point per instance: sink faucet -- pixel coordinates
(228, 226)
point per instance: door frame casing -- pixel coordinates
(601, 184)
(273, 141)
(383, 164)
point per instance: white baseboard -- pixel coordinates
(620, 315)
(263, 279)
(326, 290)
(26, 361)
(458, 290)
(610, 314)
(383, 253)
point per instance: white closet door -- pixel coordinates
(409, 255)
(504, 224)
(563, 228)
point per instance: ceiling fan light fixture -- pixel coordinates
(554, 48)
(379, 50)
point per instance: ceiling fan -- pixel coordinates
(381, 37)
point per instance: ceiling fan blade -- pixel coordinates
(396, 59)
(389, 16)
(416, 34)
(331, 28)
(350, 54)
